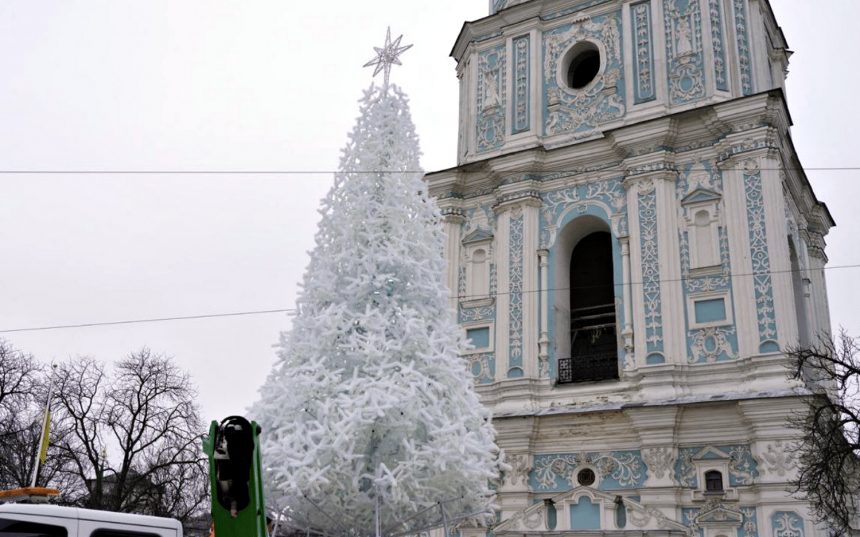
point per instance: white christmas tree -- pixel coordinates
(370, 421)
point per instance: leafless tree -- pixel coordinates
(829, 450)
(20, 383)
(18, 449)
(18, 375)
(23, 396)
(132, 437)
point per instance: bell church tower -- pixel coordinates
(633, 241)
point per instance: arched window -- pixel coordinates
(713, 481)
(593, 338)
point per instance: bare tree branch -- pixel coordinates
(134, 436)
(829, 450)
(23, 395)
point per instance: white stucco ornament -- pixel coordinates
(387, 56)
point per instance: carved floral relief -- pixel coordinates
(581, 112)
(491, 98)
(686, 70)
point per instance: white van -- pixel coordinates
(34, 520)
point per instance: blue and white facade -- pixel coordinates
(677, 149)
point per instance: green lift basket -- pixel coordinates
(236, 479)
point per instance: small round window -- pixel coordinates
(582, 65)
(585, 477)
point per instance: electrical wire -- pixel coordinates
(458, 297)
(149, 320)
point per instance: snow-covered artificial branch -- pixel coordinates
(370, 399)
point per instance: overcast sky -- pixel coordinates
(221, 85)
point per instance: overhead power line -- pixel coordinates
(458, 297)
(150, 320)
(730, 276)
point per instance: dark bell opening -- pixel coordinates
(583, 68)
(593, 336)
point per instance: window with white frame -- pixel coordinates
(709, 309)
(481, 338)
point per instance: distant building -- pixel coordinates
(142, 496)
(632, 240)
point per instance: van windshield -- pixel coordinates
(22, 528)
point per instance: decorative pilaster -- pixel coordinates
(818, 286)
(643, 50)
(491, 98)
(518, 219)
(743, 288)
(649, 244)
(787, 524)
(530, 288)
(742, 38)
(515, 289)
(453, 219)
(649, 240)
(683, 27)
(671, 291)
(715, 17)
(653, 261)
(503, 296)
(772, 438)
(516, 480)
(760, 254)
(521, 98)
(656, 430)
(464, 137)
(785, 315)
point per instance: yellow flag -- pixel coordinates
(46, 431)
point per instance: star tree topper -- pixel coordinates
(387, 56)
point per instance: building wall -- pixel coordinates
(658, 57)
(680, 148)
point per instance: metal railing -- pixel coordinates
(588, 368)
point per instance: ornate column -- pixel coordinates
(637, 315)
(627, 332)
(543, 342)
